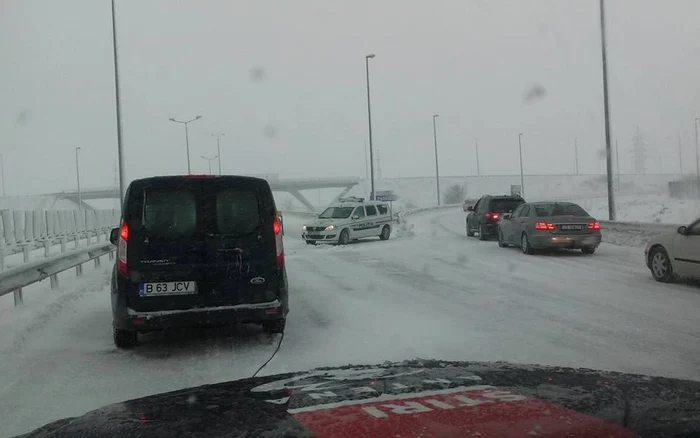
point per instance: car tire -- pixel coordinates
(470, 232)
(481, 232)
(525, 245)
(344, 237)
(660, 265)
(501, 242)
(125, 338)
(274, 326)
(386, 233)
(588, 250)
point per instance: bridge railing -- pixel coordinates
(29, 231)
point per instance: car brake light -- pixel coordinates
(594, 225)
(122, 266)
(491, 215)
(544, 226)
(279, 245)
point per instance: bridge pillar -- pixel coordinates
(297, 194)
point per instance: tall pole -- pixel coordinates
(218, 148)
(369, 120)
(366, 163)
(522, 176)
(697, 158)
(478, 170)
(617, 163)
(576, 153)
(187, 138)
(606, 105)
(2, 175)
(77, 174)
(437, 168)
(120, 149)
(680, 157)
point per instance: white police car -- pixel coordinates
(350, 219)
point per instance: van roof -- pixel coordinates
(243, 180)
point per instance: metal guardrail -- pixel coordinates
(22, 231)
(13, 280)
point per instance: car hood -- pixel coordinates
(415, 398)
(324, 222)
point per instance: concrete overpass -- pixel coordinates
(291, 186)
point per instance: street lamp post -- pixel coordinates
(437, 168)
(120, 149)
(369, 121)
(218, 149)
(576, 153)
(77, 174)
(522, 178)
(210, 160)
(606, 109)
(187, 138)
(2, 175)
(478, 170)
(697, 157)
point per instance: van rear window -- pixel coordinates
(237, 211)
(169, 213)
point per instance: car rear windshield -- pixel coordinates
(237, 212)
(504, 205)
(548, 210)
(336, 213)
(169, 213)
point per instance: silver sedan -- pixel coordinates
(544, 225)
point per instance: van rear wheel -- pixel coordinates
(274, 326)
(125, 338)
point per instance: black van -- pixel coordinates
(198, 250)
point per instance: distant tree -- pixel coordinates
(639, 152)
(453, 195)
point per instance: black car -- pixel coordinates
(198, 250)
(483, 216)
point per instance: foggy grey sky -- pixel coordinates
(471, 61)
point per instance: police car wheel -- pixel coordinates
(344, 237)
(386, 232)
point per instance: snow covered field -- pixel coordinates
(429, 293)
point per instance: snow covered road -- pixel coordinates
(429, 293)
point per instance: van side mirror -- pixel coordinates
(114, 235)
(507, 216)
(470, 208)
(356, 217)
(683, 230)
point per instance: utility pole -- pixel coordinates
(437, 167)
(697, 157)
(576, 153)
(617, 162)
(478, 170)
(680, 157)
(606, 107)
(218, 149)
(77, 174)
(366, 162)
(369, 120)
(187, 138)
(522, 176)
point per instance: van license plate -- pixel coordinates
(169, 288)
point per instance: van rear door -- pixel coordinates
(202, 243)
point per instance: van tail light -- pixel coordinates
(122, 266)
(594, 225)
(279, 245)
(544, 226)
(492, 215)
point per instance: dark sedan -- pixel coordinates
(545, 225)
